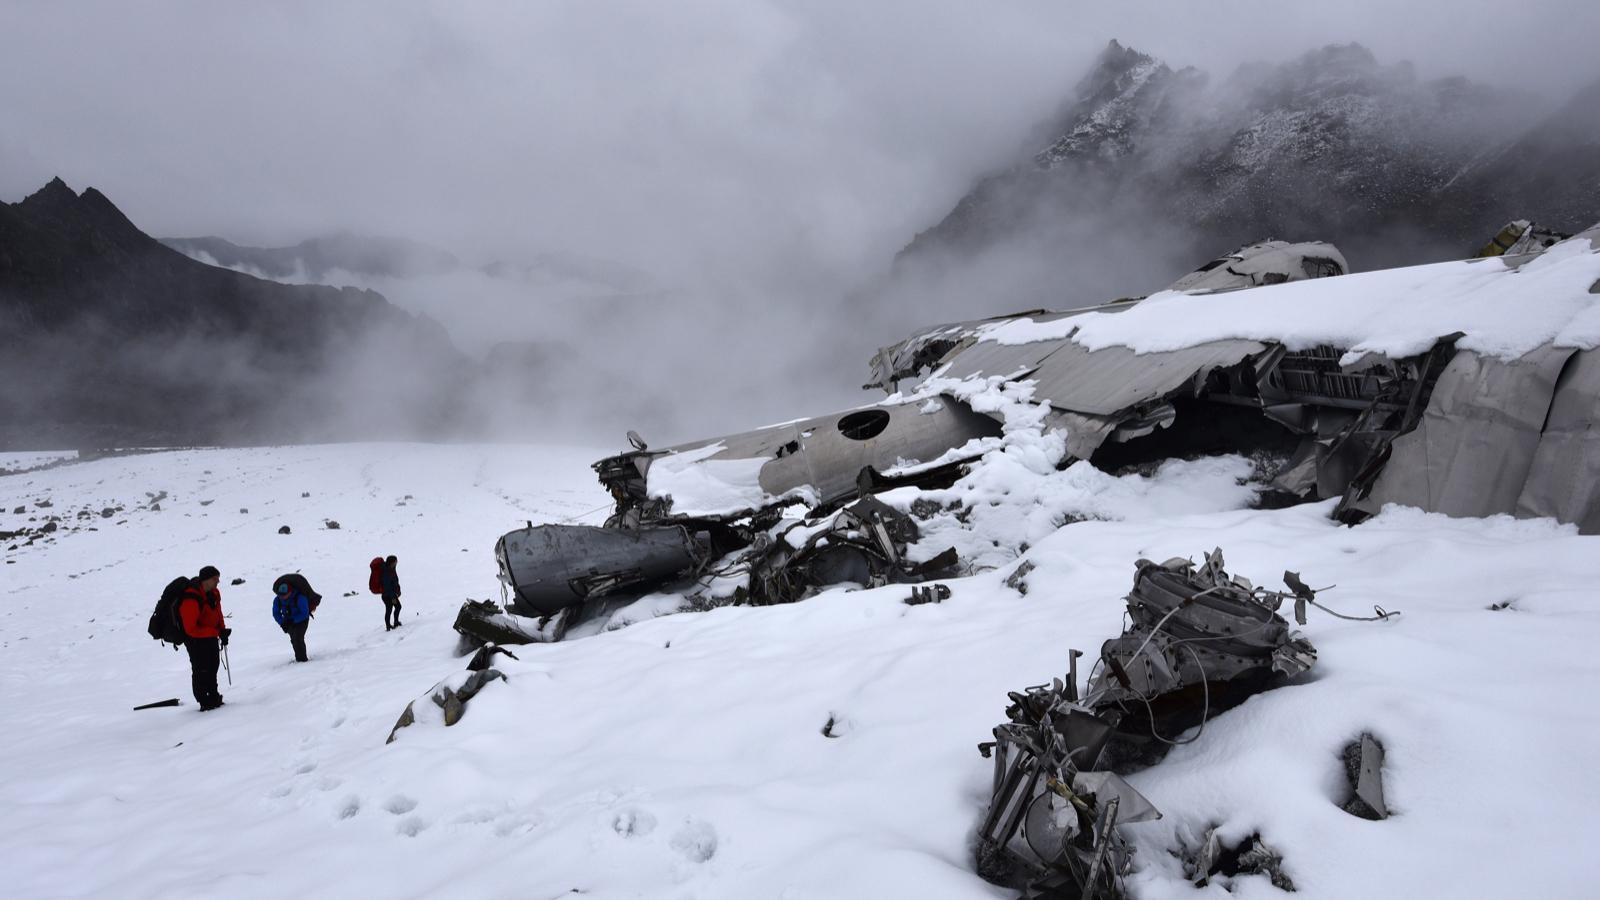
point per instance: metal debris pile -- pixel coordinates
(1198, 641)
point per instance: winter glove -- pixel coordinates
(223, 635)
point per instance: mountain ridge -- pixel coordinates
(110, 337)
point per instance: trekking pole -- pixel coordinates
(227, 668)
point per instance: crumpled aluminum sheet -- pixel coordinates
(1473, 450)
(1564, 480)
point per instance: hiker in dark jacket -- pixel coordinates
(291, 609)
(391, 594)
(204, 633)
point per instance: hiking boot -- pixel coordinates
(208, 707)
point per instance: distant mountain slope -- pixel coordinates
(315, 259)
(107, 336)
(340, 258)
(1332, 146)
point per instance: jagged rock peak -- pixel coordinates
(1122, 93)
(54, 195)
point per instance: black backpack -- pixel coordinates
(165, 622)
(299, 585)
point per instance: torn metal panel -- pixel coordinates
(986, 358)
(1112, 380)
(925, 350)
(1085, 434)
(1363, 763)
(1473, 450)
(1564, 477)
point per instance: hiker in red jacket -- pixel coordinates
(204, 633)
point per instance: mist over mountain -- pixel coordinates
(1148, 170)
(346, 256)
(108, 337)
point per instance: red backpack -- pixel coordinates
(375, 580)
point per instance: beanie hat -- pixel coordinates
(209, 572)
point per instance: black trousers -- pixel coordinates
(297, 639)
(205, 657)
(391, 612)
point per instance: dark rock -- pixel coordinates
(19, 510)
(243, 510)
(304, 494)
(44, 504)
(330, 524)
(155, 507)
(237, 581)
(107, 513)
(283, 530)
(48, 528)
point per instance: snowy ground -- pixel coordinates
(683, 756)
(22, 461)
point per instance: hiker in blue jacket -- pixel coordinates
(292, 605)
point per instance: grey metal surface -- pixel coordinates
(552, 567)
(1564, 479)
(1110, 380)
(991, 358)
(1473, 450)
(816, 453)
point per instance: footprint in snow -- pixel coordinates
(633, 823)
(695, 841)
(400, 804)
(411, 826)
(350, 807)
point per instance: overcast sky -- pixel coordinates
(744, 142)
(686, 133)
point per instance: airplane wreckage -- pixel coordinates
(1467, 388)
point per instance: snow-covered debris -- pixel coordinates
(683, 754)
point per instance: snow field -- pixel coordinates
(683, 756)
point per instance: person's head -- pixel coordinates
(282, 589)
(391, 561)
(208, 577)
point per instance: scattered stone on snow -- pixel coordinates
(48, 527)
(207, 502)
(44, 504)
(19, 510)
(237, 581)
(330, 524)
(283, 529)
(107, 513)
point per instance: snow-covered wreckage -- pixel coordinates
(1467, 388)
